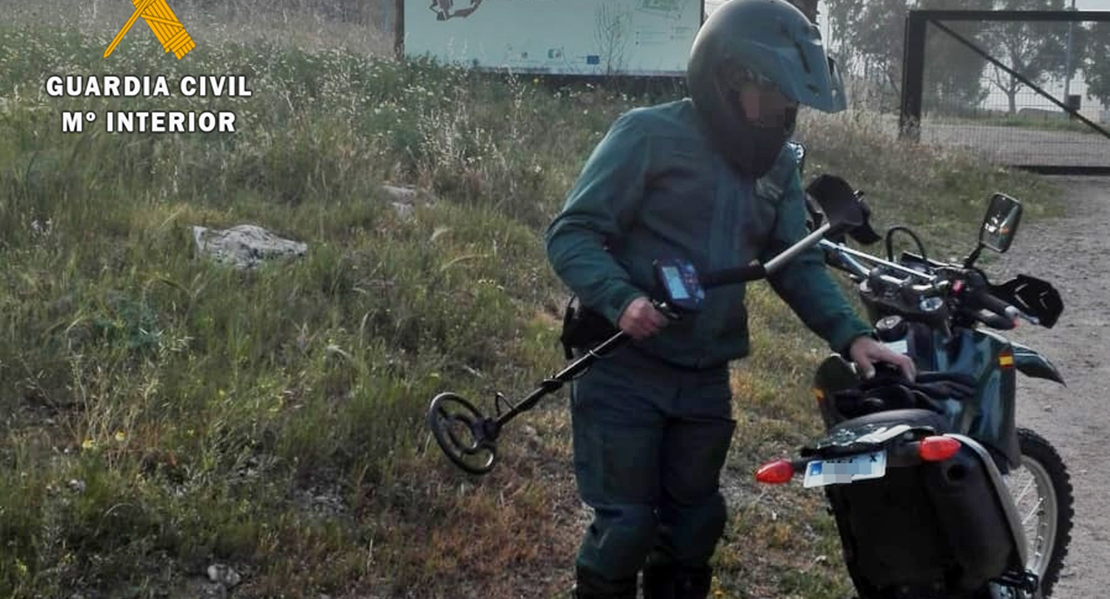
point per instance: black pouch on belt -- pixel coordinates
(583, 328)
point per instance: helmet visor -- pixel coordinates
(802, 71)
(808, 76)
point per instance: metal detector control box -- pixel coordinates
(678, 279)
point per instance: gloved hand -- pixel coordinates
(641, 320)
(865, 352)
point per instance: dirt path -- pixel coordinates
(1018, 145)
(1071, 253)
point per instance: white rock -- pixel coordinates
(224, 575)
(245, 246)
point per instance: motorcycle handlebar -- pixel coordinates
(983, 305)
(994, 321)
(850, 264)
(983, 298)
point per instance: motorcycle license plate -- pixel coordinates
(841, 471)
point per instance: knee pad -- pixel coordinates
(618, 541)
(695, 530)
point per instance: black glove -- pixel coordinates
(889, 390)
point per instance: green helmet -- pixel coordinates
(771, 43)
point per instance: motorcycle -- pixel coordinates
(935, 491)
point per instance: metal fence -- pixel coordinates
(1009, 85)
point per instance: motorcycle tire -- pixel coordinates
(1050, 535)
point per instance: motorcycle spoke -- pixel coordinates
(1028, 486)
(1036, 511)
(1032, 494)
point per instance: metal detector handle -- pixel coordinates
(833, 194)
(754, 272)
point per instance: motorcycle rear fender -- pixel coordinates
(1002, 495)
(890, 429)
(951, 522)
(1032, 363)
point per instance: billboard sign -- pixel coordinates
(564, 37)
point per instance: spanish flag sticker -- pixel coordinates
(1006, 360)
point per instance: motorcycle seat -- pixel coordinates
(909, 416)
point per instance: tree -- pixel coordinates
(865, 30)
(1034, 50)
(953, 72)
(1096, 65)
(869, 39)
(611, 31)
(871, 44)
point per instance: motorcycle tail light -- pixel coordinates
(938, 448)
(775, 473)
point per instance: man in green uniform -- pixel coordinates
(707, 179)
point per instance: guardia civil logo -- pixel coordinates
(165, 103)
(163, 22)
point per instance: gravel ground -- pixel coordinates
(1014, 145)
(1071, 252)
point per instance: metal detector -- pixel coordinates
(469, 438)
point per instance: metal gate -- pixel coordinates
(1058, 137)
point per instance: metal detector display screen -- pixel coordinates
(676, 287)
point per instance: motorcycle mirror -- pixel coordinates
(1000, 223)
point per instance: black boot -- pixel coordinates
(667, 581)
(659, 581)
(693, 583)
(589, 585)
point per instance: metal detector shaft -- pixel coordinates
(583, 363)
(792, 252)
(554, 383)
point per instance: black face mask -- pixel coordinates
(750, 147)
(762, 142)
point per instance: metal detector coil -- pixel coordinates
(468, 438)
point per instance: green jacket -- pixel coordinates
(653, 188)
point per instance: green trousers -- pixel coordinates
(649, 444)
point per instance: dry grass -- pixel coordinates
(311, 25)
